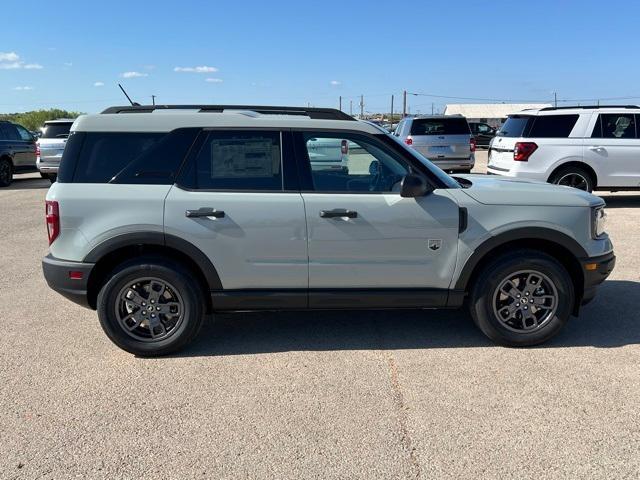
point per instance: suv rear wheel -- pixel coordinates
(575, 177)
(522, 298)
(6, 172)
(151, 307)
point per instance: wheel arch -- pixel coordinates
(560, 246)
(121, 248)
(576, 163)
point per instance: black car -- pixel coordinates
(482, 132)
(17, 152)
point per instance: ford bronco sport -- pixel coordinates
(164, 213)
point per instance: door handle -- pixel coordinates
(338, 213)
(204, 212)
(595, 149)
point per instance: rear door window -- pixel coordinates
(241, 161)
(615, 125)
(440, 126)
(56, 130)
(552, 126)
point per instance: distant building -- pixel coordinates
(492, 113)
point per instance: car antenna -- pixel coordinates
(133, 104)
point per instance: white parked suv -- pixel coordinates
(590, 148)
(164, 213)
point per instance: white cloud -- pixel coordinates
(98, 84)
(11, 61)
(10, 66)
(25, 88)
(68, 64)
(213, 80)
(134, 75)
(200, 69)
(335, 82)
(9, 57)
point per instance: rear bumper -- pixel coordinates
(48, 167)
(596, 270)
(57, 273)
(455, 163)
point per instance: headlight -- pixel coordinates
(599, 219)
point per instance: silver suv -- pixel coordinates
(50, 146)
(162, 214)
(446, 140)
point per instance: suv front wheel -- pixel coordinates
(522, 298)
(151, 307)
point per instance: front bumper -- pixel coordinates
(596, 270)
(59, 273)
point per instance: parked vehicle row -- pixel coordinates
(22, 152)
(161, 214)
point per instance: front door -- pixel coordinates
(363, 234)
(614, 150)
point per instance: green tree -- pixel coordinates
(35, 119)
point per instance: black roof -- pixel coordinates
(312, 112)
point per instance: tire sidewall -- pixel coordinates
(176, 276)
(6, 182)
(482, 301)
(583, 173)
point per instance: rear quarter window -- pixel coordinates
(552, 126)
(515, 126)
(440, 126)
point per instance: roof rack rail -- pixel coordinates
(315, 113)
(588, 106)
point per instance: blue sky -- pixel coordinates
(72, 54)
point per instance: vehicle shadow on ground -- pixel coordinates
(620, 201)
(611, 320)
(28, 183)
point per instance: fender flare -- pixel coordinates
(158, 239)
(524, 233)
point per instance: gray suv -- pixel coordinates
(446, 140)
(51, 144)
(163, 213)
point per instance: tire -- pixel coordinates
(6, 172)
(44, 175)
(180, 289)
(575, 177)
(465, 171)
(486, 303)
(52, 177)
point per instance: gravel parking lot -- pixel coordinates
(405, 394)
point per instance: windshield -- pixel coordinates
(514, 126)
(446, 179)
(56, 130)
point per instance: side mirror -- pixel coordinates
(413, 186)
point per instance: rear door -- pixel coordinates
(441, 138)
(24, 147)
(613, 149)
(364, 235)
(231, 203)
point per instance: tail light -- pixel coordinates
(523, 150)
(472, 144)
(408, 141)
(52, 216)
(37, 151)
(344, 147)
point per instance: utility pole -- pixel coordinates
(555, 99)
(153, 99)
(340, 102)
(351, 107)
(404, 103)
(431, 108)
(391, 110)
(361, 107)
